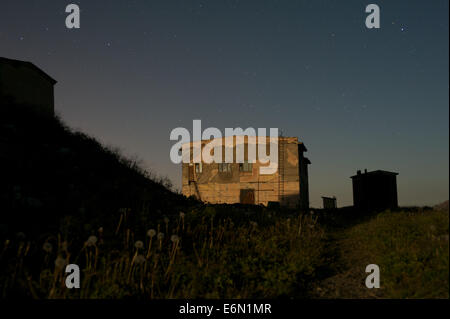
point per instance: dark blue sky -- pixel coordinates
(358, 98)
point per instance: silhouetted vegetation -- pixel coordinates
(50, 173)
(197, 254)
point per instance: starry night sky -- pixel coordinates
(358, 98)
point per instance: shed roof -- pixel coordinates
(29, 65)
(374, 173)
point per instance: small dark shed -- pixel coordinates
(376, 190)
(24, 84)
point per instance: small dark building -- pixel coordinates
(376, 190)
(329, 202)
(24, 84)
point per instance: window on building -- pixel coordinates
(245, 167)
(224, 167)
(198, 168)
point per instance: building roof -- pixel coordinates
(250, 139)
(16, 63)
(374, 173)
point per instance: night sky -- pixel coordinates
(358, 98)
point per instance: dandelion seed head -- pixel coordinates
(140, 259)
(174, 238)
(182, 214)
(47, 247)
(160, 236)
(60, 262)
(151, 233)
(92, 240)
(139, 244)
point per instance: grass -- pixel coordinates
(225, 251)
(410, 247)
(200, 256)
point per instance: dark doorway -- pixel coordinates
(191, 173)
(248, 196)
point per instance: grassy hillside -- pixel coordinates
(228, 251)
(204, 253)
(51, 175)
(410, 247)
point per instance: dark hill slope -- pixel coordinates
(49, 172)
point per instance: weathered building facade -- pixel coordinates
(376, 190)
(243, 182)
(22, 83)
